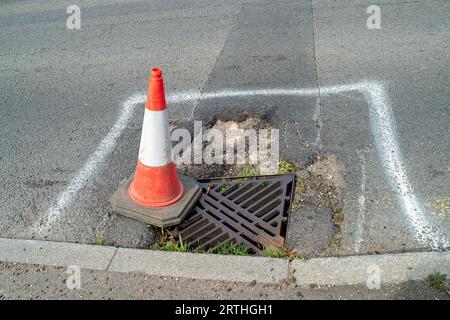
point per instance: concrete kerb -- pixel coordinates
(200, 266)
(61, 254)
(334, 271)
(357, 270)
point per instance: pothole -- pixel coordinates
(318, 184)
(230, 130)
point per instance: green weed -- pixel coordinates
(436, 281)
(283, 253)
(175, 246)
(250, 171)
(285, 167)
(230, 248)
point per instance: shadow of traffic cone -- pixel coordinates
(155, 194)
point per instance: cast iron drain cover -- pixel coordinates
(243, 210)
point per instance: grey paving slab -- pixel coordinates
(200, 266)
(61, 254)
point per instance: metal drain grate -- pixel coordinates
(244, 210)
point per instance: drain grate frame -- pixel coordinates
(252, 210)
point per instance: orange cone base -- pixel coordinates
(156, 186)
(122, 203)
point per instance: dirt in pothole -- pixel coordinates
(200, 171)
(319, 183)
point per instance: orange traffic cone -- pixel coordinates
(155, 194)
(155, 183)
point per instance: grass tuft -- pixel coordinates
(283, 253)
(436, 281)
(338, 219)
(224, 186)
(174, 246)
(338, 216)
(228, 248)
(168, 242)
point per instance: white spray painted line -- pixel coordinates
(383, 131)
(65, 198)
(382, 124)
(361, 219)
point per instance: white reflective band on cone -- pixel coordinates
(155, 149)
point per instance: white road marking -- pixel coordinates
(382, 123)
(65, 198)
(382, 127)
(361, 218)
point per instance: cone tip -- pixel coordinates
(156, 73)
(156, 100)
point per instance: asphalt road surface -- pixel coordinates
(377, 99)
